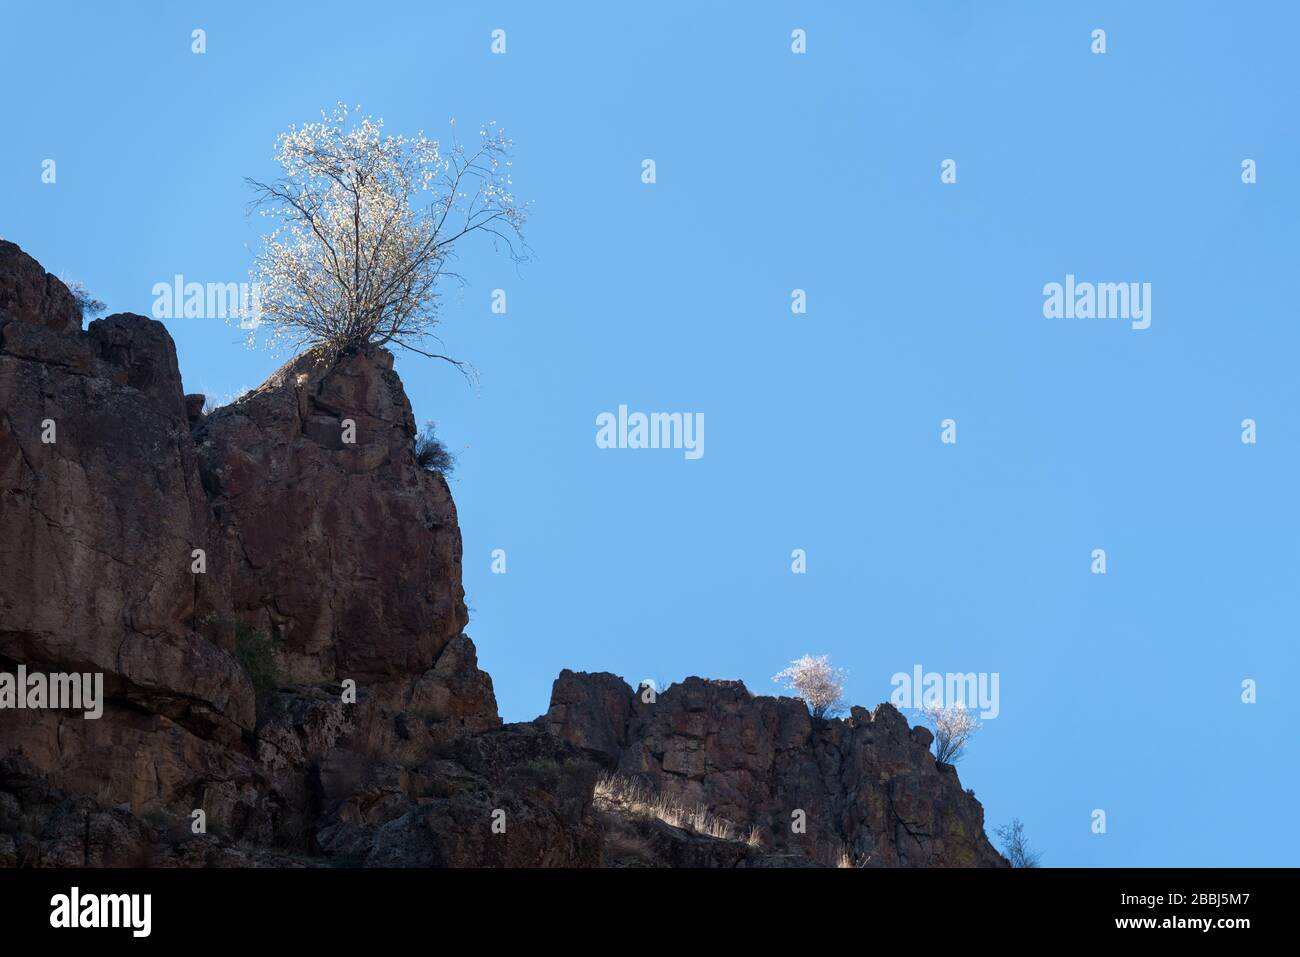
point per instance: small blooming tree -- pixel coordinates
(88, 304)
(366, 226)
(1016, 846)
(953, 727)
(820, 685)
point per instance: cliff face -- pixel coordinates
(347, 552)
(172, 551)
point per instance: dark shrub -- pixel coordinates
(88, 304)
(431, 454)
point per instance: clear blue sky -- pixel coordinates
(820, 172)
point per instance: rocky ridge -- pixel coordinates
(236, 576)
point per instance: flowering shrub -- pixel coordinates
(820, 685)
(953, 727)
(366, 226)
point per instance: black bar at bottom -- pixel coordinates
(334, 906)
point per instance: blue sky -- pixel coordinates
(774, 172)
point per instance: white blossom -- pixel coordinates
(366, 223)
(953, 727)
(820, 685)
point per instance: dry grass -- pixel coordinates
(845, 859)
(615, 791)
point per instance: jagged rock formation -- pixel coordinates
(172, 551)
(867, 786)
(347, 554)
(342, 558)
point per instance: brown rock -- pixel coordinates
(101, 509)
(347, 553)
(591, 711)
(325, 545)
(866, 785)
(28, 294)
(194, 403)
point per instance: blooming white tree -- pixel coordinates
(817, 682)
(366, 226)
(953, 727)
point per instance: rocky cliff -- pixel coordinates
(864, 789)
(272, 594)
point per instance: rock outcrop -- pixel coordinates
(272, 594)
(864, 789)
(159, 547)
(101, 506)
(336, 542)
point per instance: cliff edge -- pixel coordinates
(272, 595)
